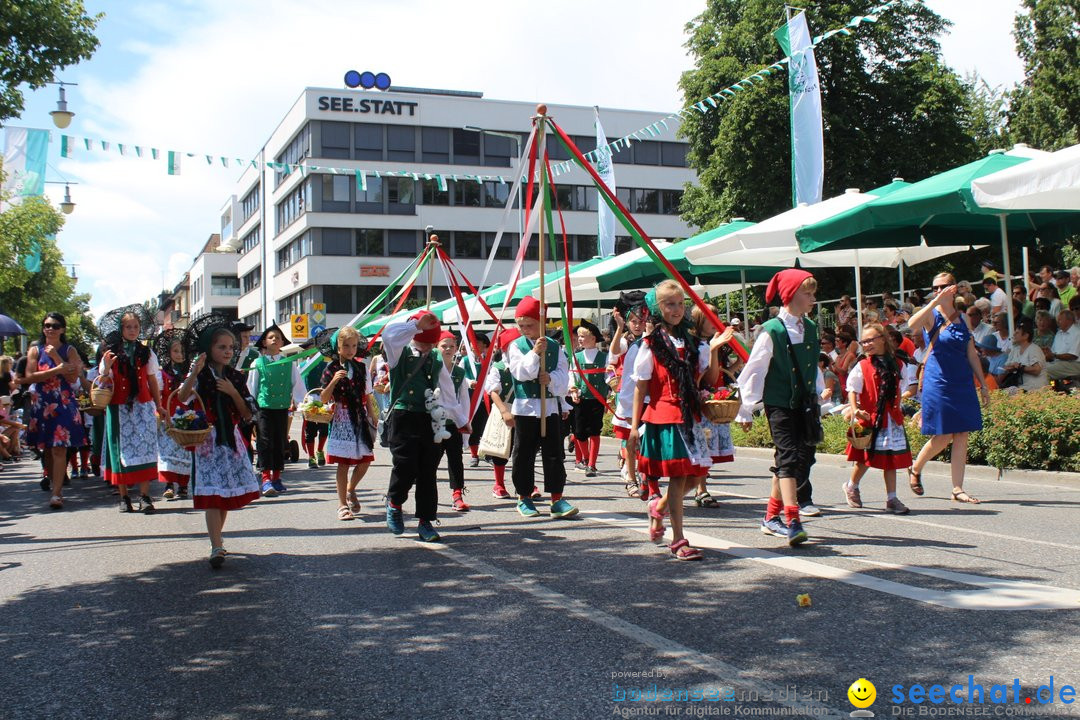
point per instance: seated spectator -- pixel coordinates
(1042, 305)
(974, 316)
(1074, 304)
(1034, 283)
(894, 316)
(845, 312)
(1025, 354)
(905, 348)
(1063, 356)
(1050, 292)
(828, 346)
(988, 348)
(1074, 277)
(1046, 276)
(963, 290)
(1020, 295)
(833, 395)
(1066, 291)
(1045, 329)
(1001, 332)
(995, 295)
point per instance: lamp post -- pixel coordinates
(517, 145)
(67, 206)
(61, 115)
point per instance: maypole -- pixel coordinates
(540, 121)
(433, 242)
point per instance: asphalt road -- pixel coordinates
(120, 616)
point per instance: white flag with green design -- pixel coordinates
(807, 141)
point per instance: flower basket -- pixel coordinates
(614, 381)
(100, 393)
(859, 436)
(192, 435)
(721, 412)
(314, 410)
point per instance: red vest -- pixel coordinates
(122, 389)
(665, 403)
(868, 398)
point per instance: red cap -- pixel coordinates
(447, 335)
(507, 336)
(427, 336)
(528, 307)
(786, 283)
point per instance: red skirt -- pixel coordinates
(623, 433)
(335, 460)
(880, 460)
(170, 477)
(217, 502)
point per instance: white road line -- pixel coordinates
(668, 649)
(995, 594)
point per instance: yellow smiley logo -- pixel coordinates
(862, 693)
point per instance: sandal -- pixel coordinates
(217, 557)
(682, 551)
(632, 489)
(56, 502)
(704, 499)
(344, 513)
(354, 503)
(915, 481)
(656, 533)
(961, 496)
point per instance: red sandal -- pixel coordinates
(654, 512)
(682, 551)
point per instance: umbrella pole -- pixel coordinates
(432, 241)
(858, 296)
(745, 316)
(900, 270)
(1008, 273)
(1027, 267)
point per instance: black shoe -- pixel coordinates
(45, 484)
(183, 494)
(67, 480)
(95, 471)
(591, 471)
(474, 462)
(146, 505)
(125, 504)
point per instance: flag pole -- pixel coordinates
(433, 240)
(540, 119)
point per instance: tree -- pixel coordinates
(38, 38)
(890, 107)
(1045, 109)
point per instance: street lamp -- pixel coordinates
(67, 206)
(517, 144)
(61, 115)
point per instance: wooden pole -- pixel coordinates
(540, 119)
(432, 243)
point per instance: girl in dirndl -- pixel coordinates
(666, 437)
(131, 445)
(718, 436)
(351, 431)
(222, 478)
(174, 462)
(874, 386)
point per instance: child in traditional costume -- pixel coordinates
(632, 325)
(718, 435)
(174, 461)
(453, 446)
(473, 364)
(277, 388)
(499, 386)
(590, 371)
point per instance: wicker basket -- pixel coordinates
(721, 412)
(318, 418)
(859, 442)
(614, 381)
(186, 438)
(100, 395)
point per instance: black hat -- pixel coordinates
(163, 342)
(261, 344)
(592, 329)
(989, 265)
(240, 326)
(110, 325)
(202, 330)
(482, 337)
(325, 341)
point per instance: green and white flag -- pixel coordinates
(807, 141)
(174, 162)
(605, 232)
(25, 153)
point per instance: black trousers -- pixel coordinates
(588, 418)
(793, 457)
(272, 441)
(416, 460)
(527, 442)
(453, 447)
(315, 430)
(479, 421)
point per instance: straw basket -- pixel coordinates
(859, 442)
(186, 438)
(613, 382)
(721, 412)
(100, 395)
(317, 418)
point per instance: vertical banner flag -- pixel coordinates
(174, 162)
(807, 142)
(605, 236)
(25, 152)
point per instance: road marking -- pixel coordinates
(994, 593)
(669, 649)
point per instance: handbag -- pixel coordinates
(1012, 378)
(813, 434)
(384, 430)
(497, 440)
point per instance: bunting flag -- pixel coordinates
(174, 162)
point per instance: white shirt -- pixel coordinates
(590, 357)
(752, 378)
(152, 368)
(1004, 343)
(1067, 342)
(1033, 355)
(616, 350)
(981, 330)
(645, 361)
(526, 366)
(856, 382)
(397, 340)
(624, 403)
(998, 300)
(298, 389)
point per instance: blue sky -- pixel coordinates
(212, 77)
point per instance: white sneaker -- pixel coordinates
(809, 510)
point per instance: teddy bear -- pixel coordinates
(439, 415)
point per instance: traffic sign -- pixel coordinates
(318, 315)
(299, 327)
(316, 329)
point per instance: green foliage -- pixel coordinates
(890, 107)
(39, 38)
(1044, 107)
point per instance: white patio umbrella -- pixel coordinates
(1049, 182)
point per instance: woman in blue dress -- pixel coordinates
(950, 405)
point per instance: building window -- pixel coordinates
(498, 151)
(585, 143)
(466, 193)
(338, 298)
(254, 320)
(674, 154)
(196, 290)
(647, 153)
(366, 293)
(624, 155)
(368, 142)
(250, 204)
(297, 149)
(585, 198)
(432, 194)
(252, 239)
(336, 139)
(225, 285)
(495, 193)
(564, 196)
(335, 193)
(646, 202)
(370, 243)
(670, 200)
(370, 200)
(295, 304)
(586, 247)
(466, 244)
(400, 143)
(506, 245)
(435, 145)
(251, 281)
(402, 243)
(294, 251)
(623, 194)
(623, 244)
(295, 204)
(401, 196)
(337, 241)
(466, 147)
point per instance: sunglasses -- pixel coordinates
(939, 288)
(52, 326)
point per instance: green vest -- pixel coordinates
(530, 389)
(597, 379)
(411, 396)
(781, 382)
(275, 384)
(249, 357)
(458, 376)
(506, 380)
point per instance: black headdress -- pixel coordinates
(112, 322)
(592, 329)
(630, 301)
(162, 346)
(201, 334)
(111, 328)
(325, 342)
(261, 344)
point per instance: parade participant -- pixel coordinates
(472, 364)
(312, 434)
(781, 372)
(453, 446)
(590, 369)
(416, 368)
(636, 325)
(130, 426)
(277, 388)
(351, 440)
(531, 378)
(52, 372)
(499, 386)
(222, 479)
(718, 436)
(243, 362)
(174, 462)
(666, 438)
(874, 387)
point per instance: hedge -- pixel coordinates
(1026, 431)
